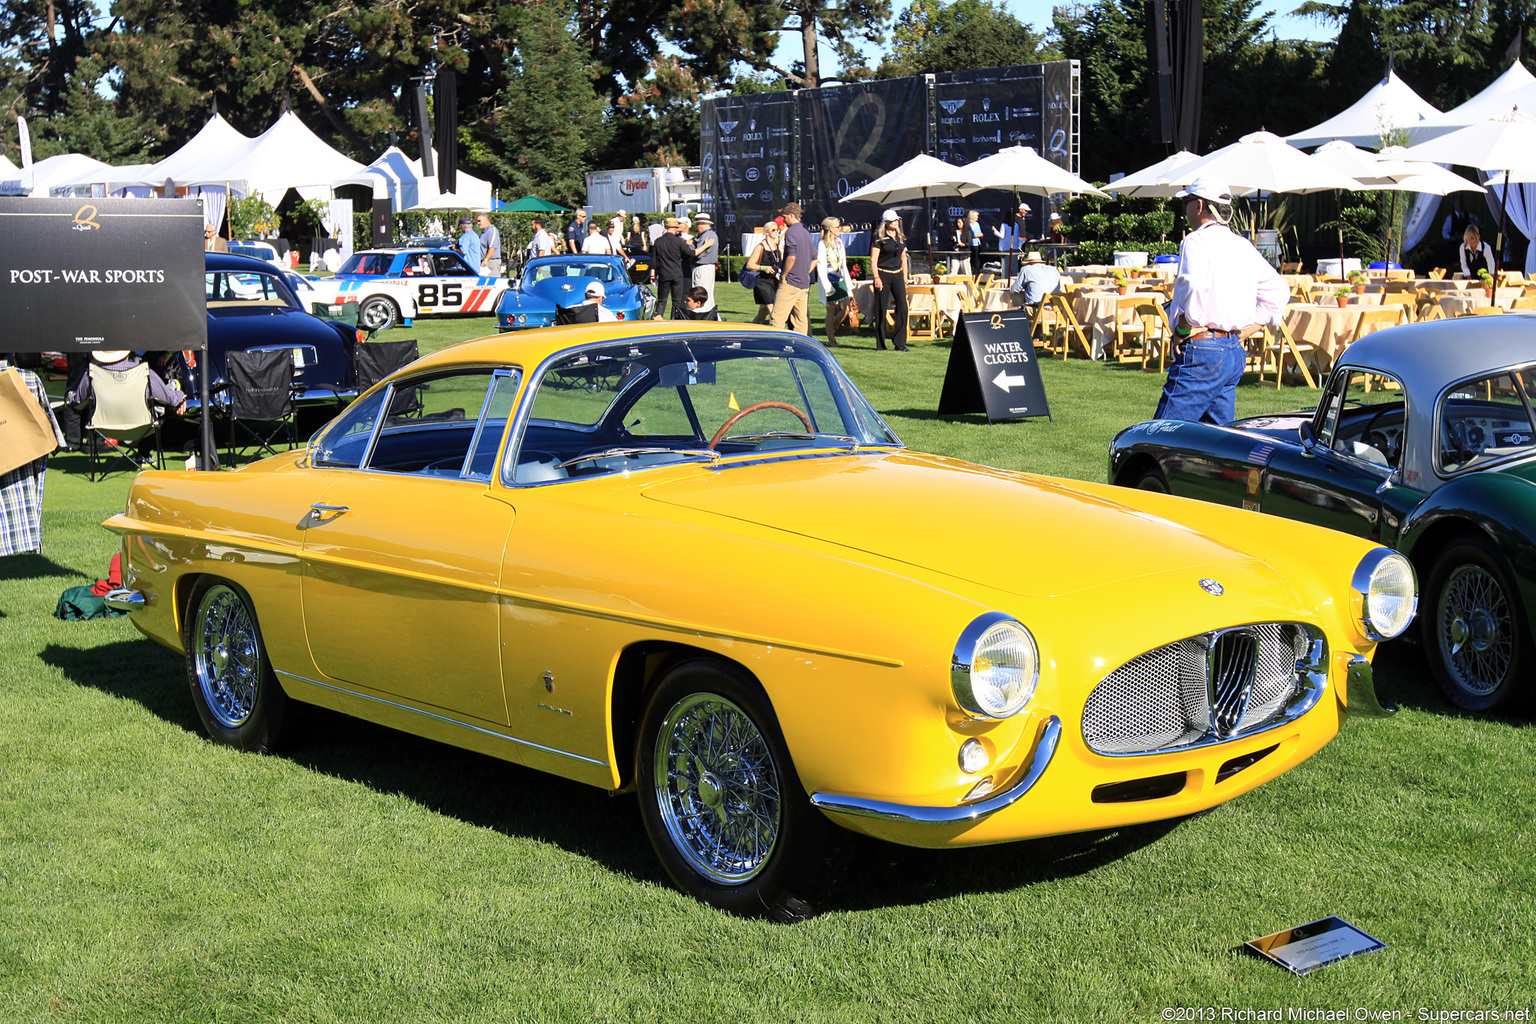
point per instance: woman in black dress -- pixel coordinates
(889, 253)
(960, 241)
(637, 240)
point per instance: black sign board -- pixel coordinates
(992, 369)
(83, 274)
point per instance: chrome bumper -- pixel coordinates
(1360, 691)
(1039, 761)
(124, 599)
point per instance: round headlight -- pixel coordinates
(1389, 593)
(995, 667)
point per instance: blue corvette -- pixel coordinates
(551, 281)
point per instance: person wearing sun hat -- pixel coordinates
(1224, 293)
(1035, 280)
(706, 254)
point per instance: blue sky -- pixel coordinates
(1037, 14)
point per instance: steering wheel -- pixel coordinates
(728, 424)
(1389, 449)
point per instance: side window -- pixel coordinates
(431, 423)
(345, 442)
(493, 424)
(1367, 420)
(1485, 419)
(450, 265)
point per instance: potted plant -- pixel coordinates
(1122, 286)
(1487, 280)
(940, 270)
(1357, 280)
(1342, 293)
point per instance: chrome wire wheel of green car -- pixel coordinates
(719, 795)
(233, 687)
(1475, 631)
(717, 787)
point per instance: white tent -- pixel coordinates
(286, 155)
(1514, 88)
(44, 174)
(7, 168)
(399, 177)
(1389, 104)
(213, 147)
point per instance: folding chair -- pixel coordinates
(1130, 343)
(1524, 302)
(1288, 350)
(1069, 329)
(1157, 333)
(1484, 311)
(1437, 274)
(1407, 300)
(922, 313)
(260, 400)
(121, 416)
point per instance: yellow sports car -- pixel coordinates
(693, 562)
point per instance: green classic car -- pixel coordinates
(1424, 440)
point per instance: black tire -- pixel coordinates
(1151, 479)
(378, 314)
(233, 687)
(733, 827)
(1474, 630)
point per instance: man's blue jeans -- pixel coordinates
(1202, 381)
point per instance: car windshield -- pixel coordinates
(604, 272)
(609, 409)
(236, 290)
(367, 263)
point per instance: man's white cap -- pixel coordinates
(889, 215)
(1055, 215)
(1208, 187)
(1025, 207)
(595, 290)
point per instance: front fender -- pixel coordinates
(1500, 506)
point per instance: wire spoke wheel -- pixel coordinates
(227, 656)
(717, 788)
(1477, 630)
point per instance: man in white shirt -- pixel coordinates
(1224, 293)
(595, 295)
(1036, 279)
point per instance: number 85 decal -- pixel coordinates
(452, 295)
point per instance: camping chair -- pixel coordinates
(378, 359)
(121, 416)
(260, 400)
(581, 313)
(922, 313)
(1069, 329)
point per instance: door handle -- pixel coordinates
(318, 511)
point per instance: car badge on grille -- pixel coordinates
(1211, 587)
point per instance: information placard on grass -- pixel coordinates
(84, 274)
(992, 369)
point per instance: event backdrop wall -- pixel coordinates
(818, 145)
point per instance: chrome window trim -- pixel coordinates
(528, 392)
(451, 721)
(1039, 760)
(1312, 683)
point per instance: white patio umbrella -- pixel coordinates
(918, 178)
(1153, 180)
(1505, 143)
(1020, 169)
(1387, 171)
(1262, 162)
(1421, 176)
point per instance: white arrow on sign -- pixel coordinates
(1006, 382)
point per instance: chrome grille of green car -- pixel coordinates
(1207, 689)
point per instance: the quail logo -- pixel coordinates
(85, 219)
(951, 106)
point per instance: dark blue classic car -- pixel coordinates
(1425, 440)
(251, 306)
(551, 281)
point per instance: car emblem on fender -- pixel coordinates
(1211, 587)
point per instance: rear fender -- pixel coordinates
(1199, 460)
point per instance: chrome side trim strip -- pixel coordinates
(450, 721)
(124, 599)
(1039, 761)
(1359, 691)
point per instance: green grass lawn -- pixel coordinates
(364, 875)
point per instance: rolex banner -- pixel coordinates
(102, 274)
(748, 160)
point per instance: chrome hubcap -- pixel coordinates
(226, 656)
(1476, 630)
(717, 788)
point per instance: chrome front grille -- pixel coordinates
(1207, 688)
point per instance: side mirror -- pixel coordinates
(1308, 438)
